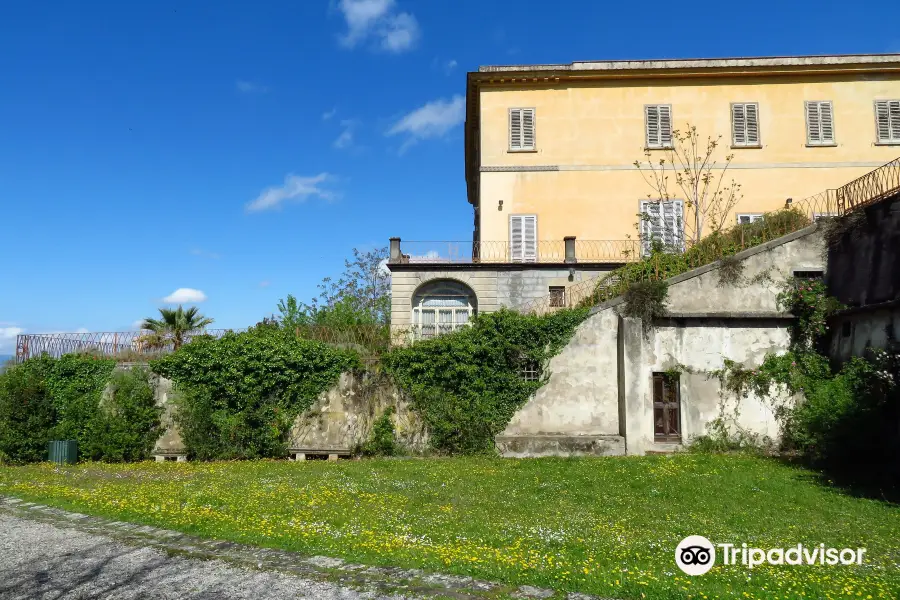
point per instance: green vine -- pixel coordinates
(809, 302)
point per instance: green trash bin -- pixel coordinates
(63, 452)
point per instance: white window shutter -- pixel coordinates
(887, 116)
(515, 238)
(813, 128)
(827, 120)
(515, 129)
(665, 126)
(894, 109)
(738, 125)
(528, 128)
(652, 114)
(664, 223)
(529, 237)
(673, 224)
(752, 114)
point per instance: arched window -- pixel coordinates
(442, 306)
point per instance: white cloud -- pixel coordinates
(185, 296)
(327, 115)
(137, 324)
(265, 284)
(82, 330)
(450, 66)
(8, 337)
(378, 21)
(345, 139)
(295, 187)
(249, 87)
(434, 120)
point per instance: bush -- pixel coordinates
(383, 441)
(241, 393)
(127, 424)
(467, 385)
(27, 414)
(646, 300)
(76, 382)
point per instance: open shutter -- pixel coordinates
(827, 120)
(752, 115)
(673, 224)
(813, 128)
(738, 125)
(515, 129)
(652, 126)
(651, 222)
(529, 235)
(528, 129)
(515, 238)
(894, 108)
(665, 126)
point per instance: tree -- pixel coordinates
(173, 326)
(696, 179)
(361, 296)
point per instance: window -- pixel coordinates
(887, 121)
(662, 222)
(666, 407)
(819, 124)
(809, 274)
(824, 215)
(441, 307)
(659, 125)
(557, 296)
(746, 218)
(745, 124)
(521, 129)
(531, 371)
(523, 238)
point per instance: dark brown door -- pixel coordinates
(666, 408)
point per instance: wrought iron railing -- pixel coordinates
(543, 251)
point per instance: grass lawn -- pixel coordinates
(602, 526)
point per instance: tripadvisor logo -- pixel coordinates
(696, 555)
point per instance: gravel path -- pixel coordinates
(39, 560)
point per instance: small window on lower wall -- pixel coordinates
(557, 296)
(747, 218)
(809, 274)
(666, 407)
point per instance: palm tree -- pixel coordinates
(173, 326)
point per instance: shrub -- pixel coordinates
(76, 382)
(241, 393)
(467, 385)
(27, 414)
(383, 441)
(127, 424)
(646, 300)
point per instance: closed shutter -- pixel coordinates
(745, 124)
(819, 123)
(521, 129)
(523, 238)
(887, 117)
(658, 119)
(664, 223)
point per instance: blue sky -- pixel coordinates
(243, 149)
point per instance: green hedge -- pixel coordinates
(467, 385)
(239, 394)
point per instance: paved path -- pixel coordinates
(40, 560)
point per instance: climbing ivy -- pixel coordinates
(468, 384)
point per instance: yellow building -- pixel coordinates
(550, 149)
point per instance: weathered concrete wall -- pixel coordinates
(338, 421)
(852, 332)
(343, 416)
(577, 410)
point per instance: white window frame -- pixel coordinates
(647, 142)
(754, 217)
(822, 142)
(461, 313)
(893, 138)
(519, 145)
(824, 215)
(745, 143)
(677, 236)
(524, 256)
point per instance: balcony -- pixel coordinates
(566, 251)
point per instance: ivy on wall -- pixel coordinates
(239, 394)
(467, 385)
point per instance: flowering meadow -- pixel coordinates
(605, 526)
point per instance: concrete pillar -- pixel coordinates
(300, 456)
(395, 256)
(182, 458)
(570, 249)
(159, 458)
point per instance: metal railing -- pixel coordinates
(543, 251)
(139, 346)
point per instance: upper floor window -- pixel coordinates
(521, 129)
(523, 238)
(662, 222)
(747, 218)
(887, 120)
(658, 125)
(819, 123)
(745, 124)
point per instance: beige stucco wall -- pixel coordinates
(594, 131)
